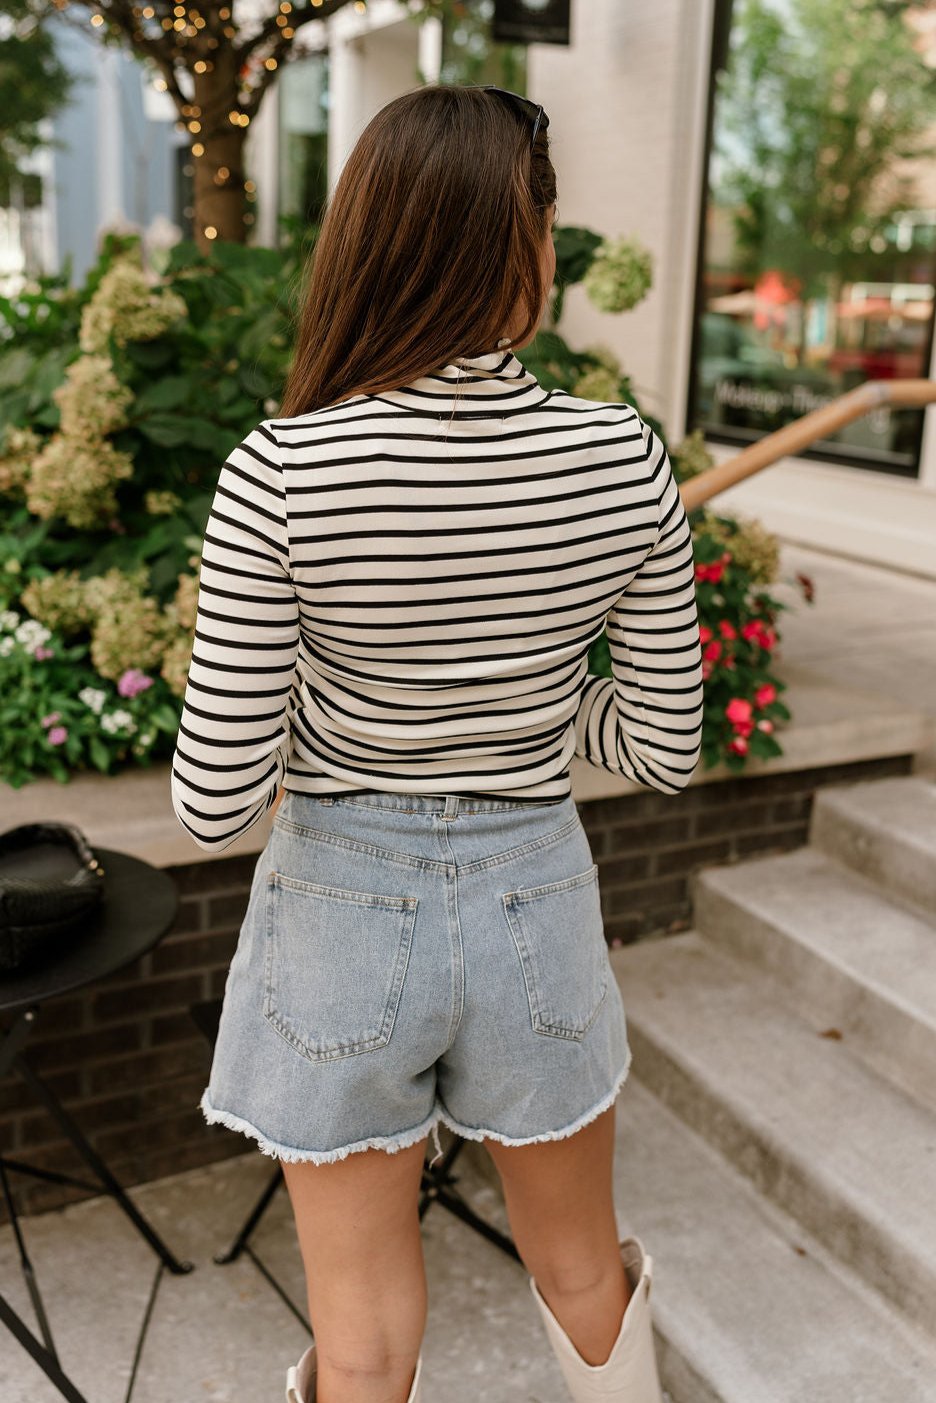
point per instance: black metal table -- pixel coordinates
(137, 910)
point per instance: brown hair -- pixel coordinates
(431, 241)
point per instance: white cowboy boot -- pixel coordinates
(300, 1380)
(629, 1374)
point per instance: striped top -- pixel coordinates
(399, 592)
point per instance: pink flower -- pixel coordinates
(738, 746)
(765, 694)
(705, 633)
(57, 735)
(712, 650)
(51, 719)
(727, 629)
(765, 725)
(42, 653)
(133, 681)
(738, 710)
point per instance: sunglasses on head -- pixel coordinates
(533, 110)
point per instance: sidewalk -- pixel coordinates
(870, 628)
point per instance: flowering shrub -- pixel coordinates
(57, 715)
(619, 275)
(118, 402)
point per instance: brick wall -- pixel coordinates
(129, 1064)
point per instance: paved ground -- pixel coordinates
(869, 627)
(222, 1334)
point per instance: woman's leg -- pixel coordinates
(359, 1234)
(560, 1203)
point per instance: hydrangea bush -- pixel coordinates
(119, 400)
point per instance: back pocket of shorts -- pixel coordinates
(335, 965)
(559, 934)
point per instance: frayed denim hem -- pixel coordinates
(471, 1132)
(290, 1155)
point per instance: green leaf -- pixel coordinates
(167, 393)
(100, 755)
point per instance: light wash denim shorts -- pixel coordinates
(411, 958)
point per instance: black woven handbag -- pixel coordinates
(50, 879)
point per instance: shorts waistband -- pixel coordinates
(446, 805)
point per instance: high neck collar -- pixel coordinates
(496, 383)
(503, 364)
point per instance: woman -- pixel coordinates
(401, 579)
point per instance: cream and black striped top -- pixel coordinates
(399, 592)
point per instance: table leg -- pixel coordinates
(45, 1358)
(91, 1157)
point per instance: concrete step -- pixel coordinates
(852, 957)
(829, 1139)
(886, 830)
(747, 1307)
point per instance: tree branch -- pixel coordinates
(299, 15)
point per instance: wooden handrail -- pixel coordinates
(900, 394)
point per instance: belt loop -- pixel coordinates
(451, 806)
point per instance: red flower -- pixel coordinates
(756, 631)
(765, 694)
(712, 650)
(727, 629)
(738, 709)
(705, 633)
(739, 745)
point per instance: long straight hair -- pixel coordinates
(431, 242)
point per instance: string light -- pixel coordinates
(288, 33)
(269, 63)
(198, 149)
(97, 20)
(201, 66)
(210, 231)
(194, 126)
(160, 85)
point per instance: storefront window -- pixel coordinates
(818, 247)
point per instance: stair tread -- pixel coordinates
(902, 807)
(806, 1095)
(842, 917)
(885, 830)
(755, 1307)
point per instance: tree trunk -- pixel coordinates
(219, 174)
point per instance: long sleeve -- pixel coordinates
(645, 721)
(233, 740)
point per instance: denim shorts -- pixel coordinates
(407, 959)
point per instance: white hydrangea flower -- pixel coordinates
(6, 645)
(93, 697)
(32, 634)
(9, 619)
(119, 720)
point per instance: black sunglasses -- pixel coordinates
(533, 110)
